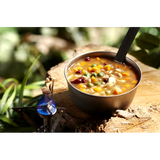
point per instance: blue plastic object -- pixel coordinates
(42, 108)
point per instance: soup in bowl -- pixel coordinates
(98, 85)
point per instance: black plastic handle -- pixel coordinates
(121, 54)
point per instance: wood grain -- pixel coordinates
(145, 108)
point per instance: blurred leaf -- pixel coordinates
(38, 83)
(7, 120)
(24, 83)
(153, 31)
(35, 85)
(32, 87)
(154, 58)
(145, 27)
(5, 96)
(24, 30)
(147, 41)
(151, 59)
(84, 32)
(2, 86)
(9, 101)
(31, 101)
(141, 55)
(158, 27)
(10, 80)
(6, 29)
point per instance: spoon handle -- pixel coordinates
(120, 56)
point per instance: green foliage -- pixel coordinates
(7, 120)
(24, 83)
(17, 50)
(148, 44)
(4, 98)
(147, 41)
(7, 29)
(9, 101)
(14, 96)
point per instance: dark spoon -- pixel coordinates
(121, 54)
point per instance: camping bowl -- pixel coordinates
(101, 105)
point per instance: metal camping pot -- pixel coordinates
(101, 105)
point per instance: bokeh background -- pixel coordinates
(20, 46)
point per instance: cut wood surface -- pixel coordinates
(143, 115)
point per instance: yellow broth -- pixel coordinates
(101, 76)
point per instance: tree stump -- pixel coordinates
(143, 115)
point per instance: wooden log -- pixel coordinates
(143, 115)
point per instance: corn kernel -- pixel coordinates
(84, 71)
(97, 89)
(127, 85)
(115, 65)
(81, 86)
(134, 81)
(93, 79)
(125, 74)
(82, 89)
(107, 67)
(75, 69)
(94, 69)
(123, 88)
(89, 69)
(98, 70)
(83, 63)
(97, 58)
(127, 78)
(99, 66)
(79, 68)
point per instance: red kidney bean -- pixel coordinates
(104, 64)
(79, 80)
(83, 80)
(105, 80)
(87, 59)
(79, 71)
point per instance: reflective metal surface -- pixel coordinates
(101, 105)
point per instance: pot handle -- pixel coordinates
(124, 48)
